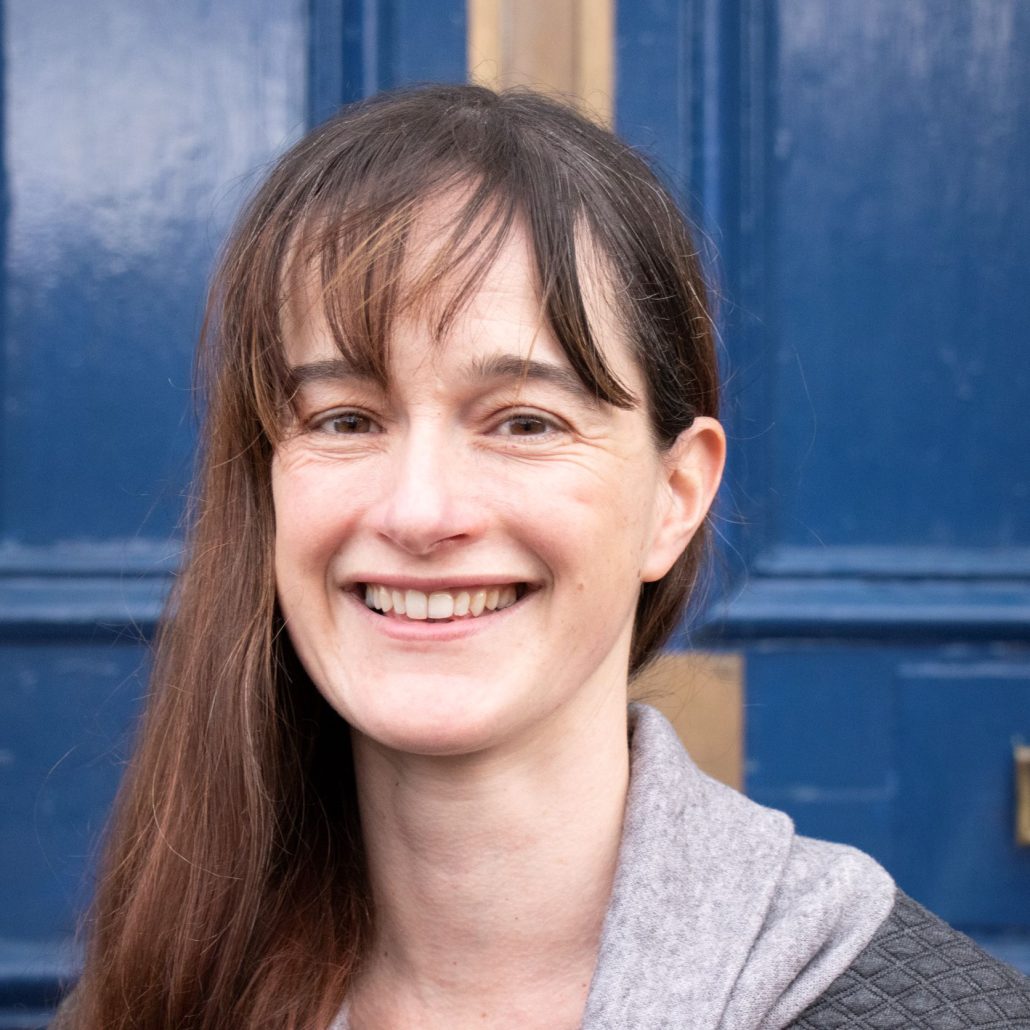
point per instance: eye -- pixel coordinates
(528, 424)
(346, 423)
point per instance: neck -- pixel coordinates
(491, 874)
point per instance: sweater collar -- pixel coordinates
(720, 916)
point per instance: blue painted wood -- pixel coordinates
(867, 608)
(358, 47)
(130, 132)
(959, 721)
(325, 59)
(906, 753)
(861, 169)
(919, 561)
(22, 1019)
(865, 170)
(28, 988)
(66, 711)
(130, 135)
(819, 740)
(1012, 948)
(897, 168)
(66, 608)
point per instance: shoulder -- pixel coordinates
(917, 973)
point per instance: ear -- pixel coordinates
(693, 469)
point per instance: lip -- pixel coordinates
(418, 630)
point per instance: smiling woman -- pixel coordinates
(481, 474)
(461, 445)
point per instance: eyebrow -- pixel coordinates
(511, 366)
(496, 367)
(329, 370)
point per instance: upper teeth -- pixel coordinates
(440, 604)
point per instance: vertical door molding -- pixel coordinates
(358, 47)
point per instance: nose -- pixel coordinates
(428, 495)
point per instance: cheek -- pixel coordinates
(311, 518)
(594, 529)
(619, 506)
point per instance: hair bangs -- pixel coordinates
(359, 265)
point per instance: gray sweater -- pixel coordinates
(722, 918)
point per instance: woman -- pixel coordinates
(461, 442)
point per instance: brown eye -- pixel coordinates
(349, 423)
(525, 425)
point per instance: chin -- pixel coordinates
(432, 715)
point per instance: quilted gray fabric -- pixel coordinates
(917, 973)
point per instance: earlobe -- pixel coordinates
(693, 468)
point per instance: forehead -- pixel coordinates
(438, 320)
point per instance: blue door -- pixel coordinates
(861, 170)
(131, 132)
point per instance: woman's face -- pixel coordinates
(508, 513)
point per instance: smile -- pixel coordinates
(441, 605)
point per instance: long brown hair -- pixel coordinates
(233, 890)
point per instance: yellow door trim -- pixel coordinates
(563, 46)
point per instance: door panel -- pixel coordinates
(66, 710)
(129, 133)
(820, 740)
(898, 148)
(957, 724)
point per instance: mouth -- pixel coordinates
(442, 605)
